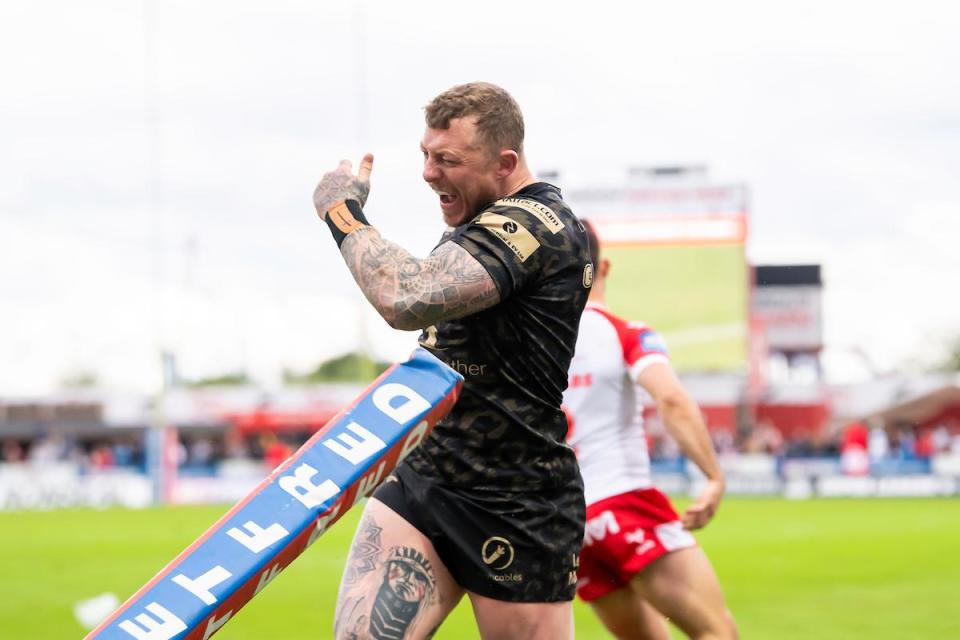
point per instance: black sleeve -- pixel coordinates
(509, 241)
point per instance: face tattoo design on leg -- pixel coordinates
(408, 584)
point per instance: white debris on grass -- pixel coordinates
(93, 611)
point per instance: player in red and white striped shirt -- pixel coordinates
(639, 562)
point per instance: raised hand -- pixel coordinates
(340, 184)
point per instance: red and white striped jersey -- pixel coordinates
(606, 425)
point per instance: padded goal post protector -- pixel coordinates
(203, 587)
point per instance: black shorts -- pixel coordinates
(515, 547)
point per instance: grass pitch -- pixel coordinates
(696, 296)
(820, 569)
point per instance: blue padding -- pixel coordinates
(369, 437)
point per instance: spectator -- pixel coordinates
(101, 457)
(201, 452)
(47, 450)
(12, 451)
(878, 444)
(275, 451)
(906, 441)
(940, 439)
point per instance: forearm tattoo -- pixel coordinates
(412, 293)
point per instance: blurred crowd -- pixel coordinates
(202, 453)
(100, 453)
(899, 441)
(198, 454)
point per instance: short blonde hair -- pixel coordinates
(499, 120)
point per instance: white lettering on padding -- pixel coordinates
(266, 577)
(414, 438)
(370, 481)
(356, 451)
(201, 586)
(165, 626)
(415, 404)
(322, 523)
(214, 625)
(261, 538)
(300, 487)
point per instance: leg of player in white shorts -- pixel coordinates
(682, 586)
(396, 586)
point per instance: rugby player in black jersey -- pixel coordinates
(491, 504)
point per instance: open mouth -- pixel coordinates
(446, 198)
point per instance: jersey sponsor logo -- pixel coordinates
(512, 234)
(571, 427)
(597, 528)
(588, 275)
(572, 574)
(580, 380)
(497, 553)
(428, 339)
(543, 213)
(649, 545)
(507, 577)
(638, 538)
(468, 368)
(653, 341)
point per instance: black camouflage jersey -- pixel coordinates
(507, 430)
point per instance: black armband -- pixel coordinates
(344, 218)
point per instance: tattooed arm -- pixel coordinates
(413, 293)
(408, 292)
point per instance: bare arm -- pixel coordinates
(413, 293)
(682, 418)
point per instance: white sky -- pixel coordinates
(198, 233)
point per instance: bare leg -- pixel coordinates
(394, 585)
(499, 620)
(683, 586)
(628, 616)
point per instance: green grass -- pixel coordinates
(820, 569)
(686, 293)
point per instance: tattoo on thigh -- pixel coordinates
(408, 585)
(365, 552)
(350, 620)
